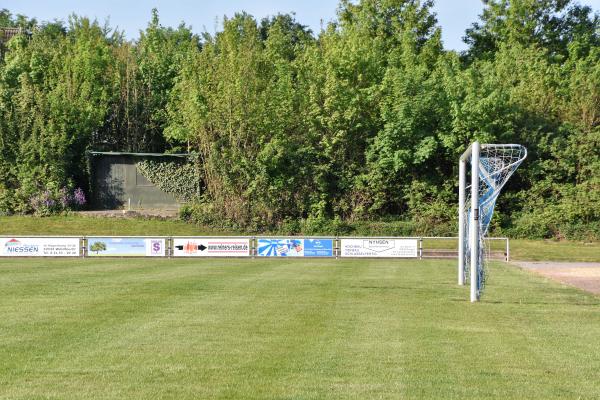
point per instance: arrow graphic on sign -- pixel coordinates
(191, 247)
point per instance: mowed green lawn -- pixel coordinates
(289, 329)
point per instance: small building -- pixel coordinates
(118, 183)
(7, 33)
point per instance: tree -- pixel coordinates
(160, 53)
(98, 247)
(239, 104)
(548, 24)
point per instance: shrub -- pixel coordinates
(47, 202)
(78, 198)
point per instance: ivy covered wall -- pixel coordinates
(178, 178)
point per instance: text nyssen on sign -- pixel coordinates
(39, 247)
(293, 247)
(374, 247)
(211, 247)
(125, 247)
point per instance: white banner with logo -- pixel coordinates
(211, 247)
(125, 247)
(39, 247)
(374, 247)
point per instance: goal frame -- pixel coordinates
(472, 151)
(480, 173)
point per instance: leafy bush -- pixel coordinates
(550, 223)
(8, 201)
(203, 214)
(208, 215)
(47, 202)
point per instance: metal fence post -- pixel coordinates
(507, 250)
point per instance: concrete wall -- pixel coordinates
(115, 180)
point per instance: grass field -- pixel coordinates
(289, 329)
(528, 250)
(76, 225)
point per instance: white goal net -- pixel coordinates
(491, 167)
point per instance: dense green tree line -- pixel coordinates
(363, 120)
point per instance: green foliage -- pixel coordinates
(54, 97)
(98, 247)
(363, 121)
(548, 24)
(181, 179)
(160, 53)
(206, 214)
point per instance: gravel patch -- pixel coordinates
(583, 275)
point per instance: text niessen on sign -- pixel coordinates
(211, 247)
(39, 247)
(402, 248)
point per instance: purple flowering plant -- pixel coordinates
(46, 202)
(64, 198)
(79, 197)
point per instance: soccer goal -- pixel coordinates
(491, 167)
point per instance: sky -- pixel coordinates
(132, 16)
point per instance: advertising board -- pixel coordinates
(125, 247)
(292, 247)
(211, 247)
(379, 247)
(318, 247)
(40, 247)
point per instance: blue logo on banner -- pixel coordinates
(318, 248)
(295, 247)
(280, 247)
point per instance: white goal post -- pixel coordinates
(491, 167)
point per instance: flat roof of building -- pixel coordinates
(122, 153)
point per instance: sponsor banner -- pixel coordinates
(125, 247)
(39, 247)
(280, 247)
(291, 247)
(211, 247)
(318, 247)
(379, 248)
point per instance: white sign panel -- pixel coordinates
(408, 248)
(125, 247)
(39, 247)
(211, 247)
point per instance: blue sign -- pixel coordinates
(289, 247)
(318, 247)
(280, 247)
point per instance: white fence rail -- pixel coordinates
(498, 248)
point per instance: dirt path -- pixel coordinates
(584, 275)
